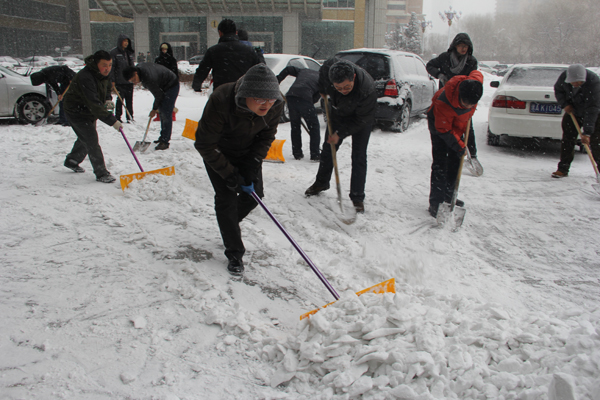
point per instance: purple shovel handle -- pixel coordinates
(130, 149)
(297, 247)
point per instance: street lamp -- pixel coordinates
(449, 16)
(424, 25)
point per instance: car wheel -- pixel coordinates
(31, 109)
(493, 140)
(401, 124)
(285, 115)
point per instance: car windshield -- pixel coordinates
(541, 76)
(272, 62)
(376, 65)
(9, 72)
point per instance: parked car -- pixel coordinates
(196, 59)
(524, 104)
(9, 62)
(69, 61)
(38, 61)
(20, 99)
(277, 62)
(404, 88)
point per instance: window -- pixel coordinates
(396, 7)
(312, 65)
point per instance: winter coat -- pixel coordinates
(167, 59)
(87, 94)
(442, 64)
(354, 112)
(54, 76)
(447, 118)
(229, 60)
(306, 85)
(121, 58)
(585, 102)
(229, 131)
(157, 79)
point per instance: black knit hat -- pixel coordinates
(470, 91)
(259, 82)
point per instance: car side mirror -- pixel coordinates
(494, 84)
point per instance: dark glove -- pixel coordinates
(235, 181)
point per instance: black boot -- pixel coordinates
(235, 266)
(315, 189)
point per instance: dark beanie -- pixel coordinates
(259, 82)
(470, 91)
(38, 78)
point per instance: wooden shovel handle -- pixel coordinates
(54, 106)
(122, 102)
(587, 148)
(460, 167)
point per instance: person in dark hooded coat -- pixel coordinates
(58, 77)
(234, 135)
(458, 60)
(123, 57)
(166, 58)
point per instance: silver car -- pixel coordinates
(20, 99)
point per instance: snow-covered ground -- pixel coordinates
(106, 294)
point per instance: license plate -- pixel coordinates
(545, 108)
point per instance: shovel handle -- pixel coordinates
(297, 247)
(460, 167)
(54, 106)
(334, 157)
(122, 102)
(130, 149)
(147, 127)
(587, 149)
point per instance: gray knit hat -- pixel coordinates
(576, 73)
(259, 82)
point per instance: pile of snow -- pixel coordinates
(419, 345)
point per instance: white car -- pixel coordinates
(20, 99)
(38, 61)
(277, 62)
(69, 61)
(524, 104)
(9, 62)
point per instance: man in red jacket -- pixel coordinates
(451, 109)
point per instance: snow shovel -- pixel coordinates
(450, 212)
(473, 165)
(383, 287)
(595, 186)
(44, 120)
(347, 219)
(143, 145)
(127, 179)
(123, 103)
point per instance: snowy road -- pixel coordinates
(111, 294)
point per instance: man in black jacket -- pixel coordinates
(301, 98)
(164, 86)
(235, 133)
(229, 59)
(87, 100)
(122, 57)
(353, 101)
(166, 58)
(458, 60)
(58, 78)
(577, 90)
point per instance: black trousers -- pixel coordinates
(360, 142)
(86, 144)
(126, 92)
(444, 170)
(569, 140)
(231, 208)
(302, 108)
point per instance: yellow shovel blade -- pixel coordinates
(127, 179)
(388, 286)
(189, 131)
(275, 153)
